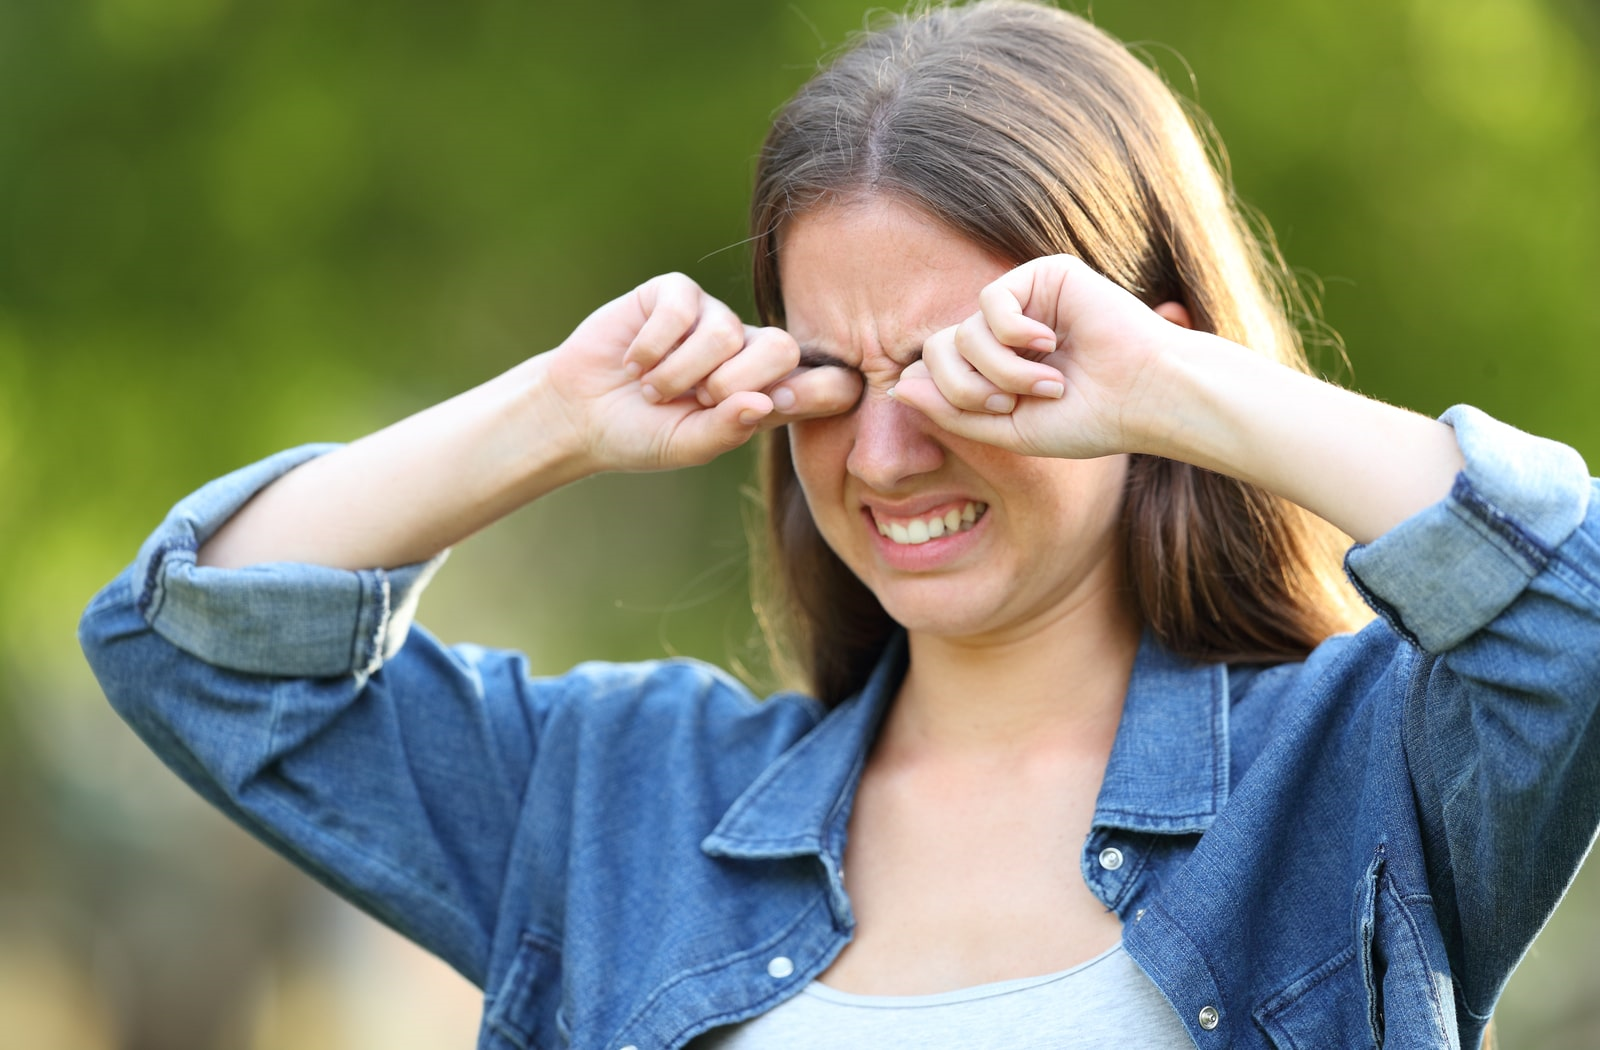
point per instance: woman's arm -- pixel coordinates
(665, 376)
(1135, 383)
(295, 697)
(1480, 546)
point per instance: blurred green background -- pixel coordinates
(228, 227)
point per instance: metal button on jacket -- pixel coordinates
(780, 967)
(1209, 1017)
(1111, 858)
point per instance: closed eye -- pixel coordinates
(811, 357)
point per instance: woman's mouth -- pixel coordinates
(910, 532)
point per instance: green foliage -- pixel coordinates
(228, 227)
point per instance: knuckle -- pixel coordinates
(728, 331)
(719, 386)
(679, 313)
(778, 344)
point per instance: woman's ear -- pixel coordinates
(1175, 312)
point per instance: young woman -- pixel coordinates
(1082, 757)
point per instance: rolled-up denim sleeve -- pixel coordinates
(278, 619)
(1498, 587)
(301, 702)
(1452, 568)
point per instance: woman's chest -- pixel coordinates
(966, 880)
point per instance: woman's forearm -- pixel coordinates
(405, 493)
(1361, 464)
(662, 377)
(1100, 373)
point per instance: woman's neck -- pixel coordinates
(1057, 683)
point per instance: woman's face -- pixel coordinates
(980, 542)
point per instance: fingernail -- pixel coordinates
(1048, 388)
(890, 392)
(750, 417)
(1000, 403)
(783, 399)
(650, 393)
(632, 370)
(1043, 344)
(704, 397)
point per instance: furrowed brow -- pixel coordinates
(813, 357)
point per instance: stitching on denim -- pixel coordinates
(1301, 985)
(1205, 963)
(148, 605)
(1391, 616)
(757, 790)
(498, 1023)
(380, 634)
(358, 631)
(1503, 525)
(1220, 744)
(1422, 952)
(1130, 877)
(710, 967)
(1573, 575)
(1165, 824)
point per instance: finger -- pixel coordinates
(704, 434)
(769, 354)
(717, 336)
(918, 389)
(1000, 364)
(671, 306)
(958, 381)
(1004, 304)
(812, 393)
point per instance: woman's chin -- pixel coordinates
(953, 614)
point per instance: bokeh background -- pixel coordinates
(231, 226)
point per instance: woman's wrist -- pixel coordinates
(540, 437)
(1359, 463)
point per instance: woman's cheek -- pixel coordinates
(819, 449)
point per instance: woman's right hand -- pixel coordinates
(665, 376)
(668, 376)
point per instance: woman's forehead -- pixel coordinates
(877, 277)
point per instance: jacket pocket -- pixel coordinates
(525, 1012)
(1340, 1001)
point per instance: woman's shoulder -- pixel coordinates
(653, 701)
(1342, 663)
(1346, 680)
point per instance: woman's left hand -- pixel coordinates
(1056, 362)
(1059, 361)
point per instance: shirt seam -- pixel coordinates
(712, 967)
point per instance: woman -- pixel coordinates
(1079, 735)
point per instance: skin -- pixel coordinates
(1033, 385)
(964, 840)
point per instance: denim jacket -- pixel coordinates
(1346, 852)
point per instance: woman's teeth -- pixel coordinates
(920, 530)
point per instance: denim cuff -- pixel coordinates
(1448, 570)
(283, 619)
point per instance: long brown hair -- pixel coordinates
(1030, 132)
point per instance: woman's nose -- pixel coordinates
(893, 443)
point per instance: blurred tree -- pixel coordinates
(227, 227)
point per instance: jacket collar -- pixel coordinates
(801, 803)
(1168, 771)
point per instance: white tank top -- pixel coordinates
(1107, 1001)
